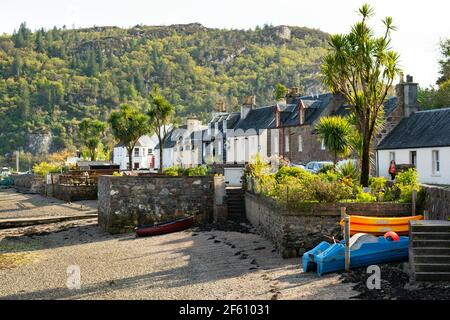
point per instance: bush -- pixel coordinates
(326, 168)
(378, 187)
(331, 191)
(44, 168)
(197, 171)
(349, 169)
(365, 196)
(406, 182)
(173, 171)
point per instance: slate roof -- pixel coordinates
(258, 118)
(430, 128)
(173, 137)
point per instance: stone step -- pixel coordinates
(430, 226)
(432, 276)
(431, 251)
(431, 243)
(432, 259)
(431, 267)
(430, 236)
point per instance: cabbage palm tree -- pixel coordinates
(335, 132)
(362, 67)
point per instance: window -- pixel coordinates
(391, 156)
(413, 158)
(322, 145)
(136, 165)
(136, 152)
(286, 143)
(300, 143)
(436, 162)
(219, 147)
(150, 151)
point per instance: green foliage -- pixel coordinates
(191, 172)
(335, 132)
(51, 79)
(43, 168)
(331, 191)
(173, 171)
(91, 132)
(362, 67)
(364, 197)
(128, 124)
(348, 169)
(280, 91)
(378, 187)
(406, 182)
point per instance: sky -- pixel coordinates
(421, 24)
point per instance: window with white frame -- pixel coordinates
(136, 152)
(150, 151)
(322, 144)
(286, 143)
(219, 147)
(391, 156)
(300, 143)
(436, 162)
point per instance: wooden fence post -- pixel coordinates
(414, 198)
(346, 238)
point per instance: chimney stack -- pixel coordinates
(220, 106)
(407, 95)
(248, 104)
(293, 95)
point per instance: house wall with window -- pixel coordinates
(143, 155)
(433, 164)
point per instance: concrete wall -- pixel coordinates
(424, 163)
(128, 201)
(294, 232)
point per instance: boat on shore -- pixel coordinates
(165, 227)
(365, 250)
(380, 225)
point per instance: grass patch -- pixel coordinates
(14, 260)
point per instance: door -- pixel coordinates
(413, 158)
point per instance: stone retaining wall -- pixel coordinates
(437, 202)
(29, 183)
(294, 232)
(73, 193)
(128, 201)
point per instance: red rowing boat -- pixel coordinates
(165, 227)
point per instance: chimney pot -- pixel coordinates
(409, 78)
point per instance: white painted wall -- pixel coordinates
(245, 148)
(424, 163)
(120, 156)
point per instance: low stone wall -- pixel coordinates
(437, 202)
(29, 183)
(295, 232)
(73, 193)
(128, 201)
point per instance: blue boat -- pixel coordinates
(365, 250)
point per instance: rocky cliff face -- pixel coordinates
(39, 142)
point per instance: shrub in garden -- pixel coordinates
(378, 187)
(365, 196)
(43, 168)
(197, 171)
(349, 169)
(173, 171)
(331, 191)
(406, 182)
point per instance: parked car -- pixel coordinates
(315, 166)
(298, 165)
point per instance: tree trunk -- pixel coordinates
(130, 159)
(161, 151)
(93, 157)
(365, 162)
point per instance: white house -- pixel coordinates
(183, 146)
(143, 156)
(422, 139)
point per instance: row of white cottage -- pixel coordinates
(421, 139)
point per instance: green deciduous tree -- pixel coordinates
(128, 124)
(92, 132)
(280, 91)
(160, 114)
(362, 67)
(336, 135)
